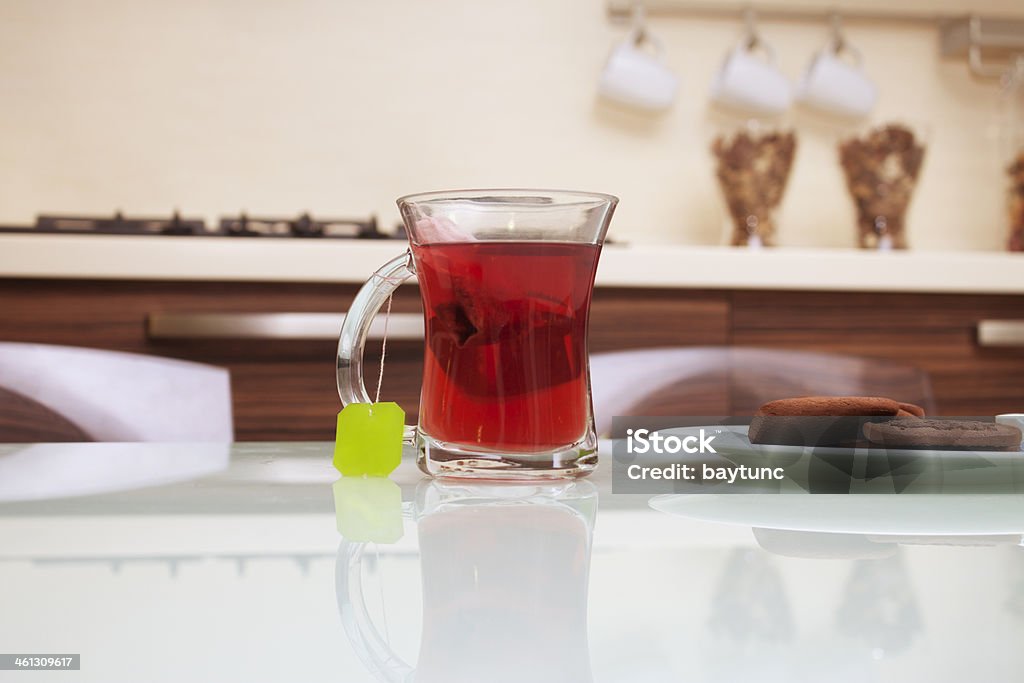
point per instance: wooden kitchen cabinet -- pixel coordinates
(622, 318)
(282, 389)
(285, 389)
(935, 332)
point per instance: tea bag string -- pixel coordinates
(380, 588)
(383, 350)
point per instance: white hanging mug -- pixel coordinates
(835, 82)
(750, 81)
(636, 74)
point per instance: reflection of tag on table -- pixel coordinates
(368, 509)
(368, 440)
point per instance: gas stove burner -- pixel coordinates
(119, 225)
(244, 225)
(302, 226)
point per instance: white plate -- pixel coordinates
(895, 515)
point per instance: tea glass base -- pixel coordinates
(448, 460)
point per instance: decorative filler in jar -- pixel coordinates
(753, 166)
(881, 169)
(1012, 128)
(1015, 202)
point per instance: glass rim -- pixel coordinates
(559, 198)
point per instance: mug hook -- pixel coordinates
(752, 39)
(639, 34)
(838, 39)
(838, 42)
(639, 21)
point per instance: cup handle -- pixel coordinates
(352, 340)
(373, 650)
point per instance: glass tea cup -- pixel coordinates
(506, 278)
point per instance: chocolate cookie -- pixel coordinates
(834, 406)
(958, 435)
(912, 409)
(822, 420)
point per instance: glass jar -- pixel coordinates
(753, 163)
(881, 166)
(1012, 125)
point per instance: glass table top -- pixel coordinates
(172, 562)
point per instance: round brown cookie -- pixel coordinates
(805, 430)
(943, 434)
(836, 406)
(913, 409)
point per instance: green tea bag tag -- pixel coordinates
(369, 439)
(369, 510)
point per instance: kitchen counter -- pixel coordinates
(659, 266)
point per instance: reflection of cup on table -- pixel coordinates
(505, 571)
(505, 587)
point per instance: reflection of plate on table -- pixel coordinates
(61, 470)
(917, 515)
(955, 467)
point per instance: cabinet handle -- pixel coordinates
(273, 326)
(1001, 333)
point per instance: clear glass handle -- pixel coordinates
(372, 295)
(372, 649)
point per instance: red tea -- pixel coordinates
(506, 359)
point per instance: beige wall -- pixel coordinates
(339, 106)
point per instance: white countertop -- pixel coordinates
(246, 572)
(669, 266)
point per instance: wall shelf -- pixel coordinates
(988, 34)
(907, 11)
